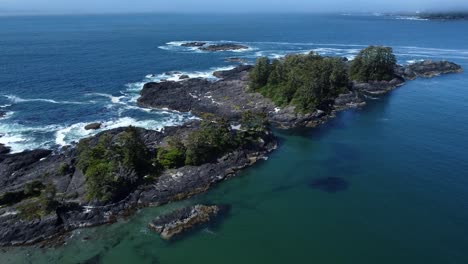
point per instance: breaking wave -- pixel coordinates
(16, 100)
(276, 50)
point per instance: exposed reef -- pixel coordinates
(224, 47)
(183, 220)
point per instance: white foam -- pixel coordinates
(174, 76)
(414, 18)
(16, 99)
(413, 61)
(75, 132)
(114, 99)
(19, 137)
(7, 115)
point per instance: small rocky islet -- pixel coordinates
(181, 221)
(204, 46)
(47, 193)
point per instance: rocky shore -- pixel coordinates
(18, 172)
(230, 96)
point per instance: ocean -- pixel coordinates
(399, 192)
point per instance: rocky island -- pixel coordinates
(277, 88)
(204, 46)
(46, 193)
(444, 16)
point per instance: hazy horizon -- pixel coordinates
(38, 7)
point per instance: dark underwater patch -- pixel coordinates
(97, 259)
(329, 184)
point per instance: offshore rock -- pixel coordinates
(183, 220)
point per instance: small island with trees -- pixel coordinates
(45, 194)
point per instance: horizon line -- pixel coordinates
(81, 13)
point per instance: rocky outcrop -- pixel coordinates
(214, 47)
(225, 98)
(93, 126)
(224, 47)
(236, 60)
(75, 211)
(194, 44)
(178, 222)
(428, 69)
(229, 97)
(2, 114)
(423, 69)
(4, 149)
(378, 87)
(184, 76)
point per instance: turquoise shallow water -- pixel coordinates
(403, 194)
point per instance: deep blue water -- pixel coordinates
(402, 196)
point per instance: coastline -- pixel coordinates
(229, 165)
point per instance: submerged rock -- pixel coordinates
(183, 220)
(93, 126)
(224, 47)
(238, 60)
(329, 184)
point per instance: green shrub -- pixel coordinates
(213, 139)
(64, 169)
(31, 189)
(39, 207)
(114, 165)
(173, 156)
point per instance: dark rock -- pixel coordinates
(16, 233)
(233, 73)
(378, 87)
(2, 114)
(329, 184)
(237, 60)
(183, 77)
(194, 44)
(183, 220)
(429, 68)
(4, 149)
(93, 126)
(224, 47)
(349, 100)
(229, 98)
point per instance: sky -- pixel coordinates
(230, 6)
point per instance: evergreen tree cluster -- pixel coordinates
(307, 80)
(374, 63)
(113, 167)
(300, 80)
